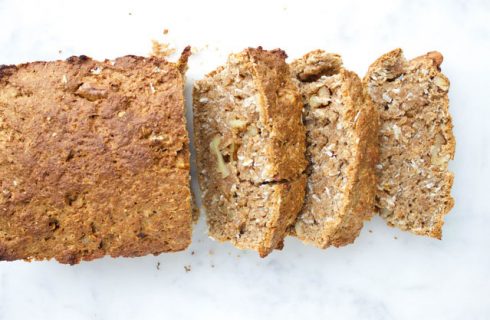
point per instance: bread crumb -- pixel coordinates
(370, 231)
(192, 253)
(187, 268)
(158, 265)
(161, 49)
(165, 31)
(395, 237)
(196, 49)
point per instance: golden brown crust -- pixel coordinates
(287, 134)
(342, 148)
(94, 159)
(250, 146)
(289, 203)
(416, 141)
(361, 192)
(184, 57)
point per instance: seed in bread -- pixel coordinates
(94, 159)
(341, 125)
(416, 141)
(250, 145)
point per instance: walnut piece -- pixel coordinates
(237, 123)
(321, 99)
(441, 82)
(214, 147)
(91, 92)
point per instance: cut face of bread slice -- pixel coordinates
(416, 141)
(250, 145)
(94, 159)
(341, 126)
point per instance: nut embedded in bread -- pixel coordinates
(94, 159)
(341, 125)
(416, 141)
(250, 149)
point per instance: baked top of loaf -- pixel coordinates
(94, 159)
(250, 149)
(416, 141)
(342, 126)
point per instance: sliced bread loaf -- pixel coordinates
(250, 145)
(416, 141)
(341, 126)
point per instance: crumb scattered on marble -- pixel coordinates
(192, 253)
(158, 265)
(370, 231)
(396, 238)
(165, 31)
(130, 14)
(161, 49)
(60, 51)
(196, 50)
(187, 268)
(212, 265)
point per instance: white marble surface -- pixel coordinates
(386, 274)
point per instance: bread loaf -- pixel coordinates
(94, 159)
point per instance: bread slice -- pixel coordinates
(342, 150)
(416, 141)
(250, 145)
(94, 159)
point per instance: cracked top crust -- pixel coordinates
(94, 159)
